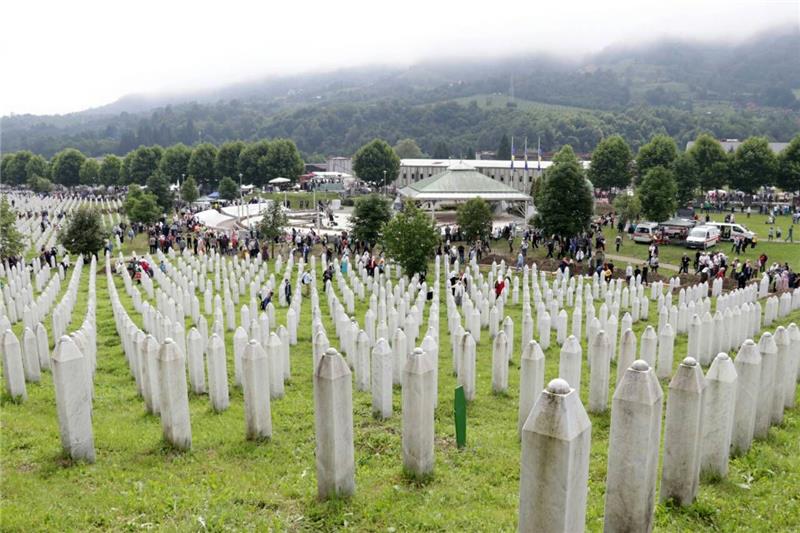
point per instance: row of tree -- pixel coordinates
(257, 163)
(703, 167)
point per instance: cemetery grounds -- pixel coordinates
(227, 482)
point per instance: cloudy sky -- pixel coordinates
(59, 57)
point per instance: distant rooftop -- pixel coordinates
(479, 163)
(730, 145)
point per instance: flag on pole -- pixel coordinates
(512, 151)
(539, 153)
(526, 153)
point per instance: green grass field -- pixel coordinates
(228, 483)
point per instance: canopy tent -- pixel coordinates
(279, 181)
(462, 182)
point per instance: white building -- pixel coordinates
(518, 177)
(340, 164)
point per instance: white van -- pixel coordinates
(645, 232)
(731, 230)
(703, 237)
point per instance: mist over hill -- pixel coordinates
(676, 87)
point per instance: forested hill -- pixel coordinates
(673, 87)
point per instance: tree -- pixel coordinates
(710, 161)
(565, 202)
(202, 164)
(282, 161)
(249, 162)
(90, 169)
(441, 150)
(84, 232)
(407, 149)
(143, 163)
(227, 163)
(39, 184)
(189, 191)
(611, 164)
(628, 207)
(158, 186)
(12, 243)
(369, 215)
(660, 151)
(228, 189)
(789, 166)
(16, 171)
(504, 150)
(67, 167)
(753, 165)
(273, 220)
(174, 163)
(410, 239)
(37, 166)
(141, 206)
(475, 219)
(375, 160)
(657, 194)
(686, 178)
(110, 170)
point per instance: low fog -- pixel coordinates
(61, 57)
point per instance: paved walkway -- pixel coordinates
(634, 260)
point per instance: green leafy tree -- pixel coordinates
(628, 207)
(410, 239)
(407, 149)
(273, 221)
(67, 167)
(711, 162)
(282, 161)
(144, 163)
(189, 190)
(38, 184)
(84, 232)
(175, 162)
(611, 164)
(789, 166)
(474, 217)
(12, 243)
(686, 178)
(111, 170)
(202, 165)
(228, 189)
(753, 165)
(158, 186)
(369, 215)
(250, 162)
(125, 170)
(90, 170)
(16, 169)
(565, 202)
(375, 158)
(504, 149)
(227, 163)
(5, 160)
(37, 166)
(659, 152)
(141, 206)
(658, 194)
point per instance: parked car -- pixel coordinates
(730, 230)
(703, 237)
(645, 232)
